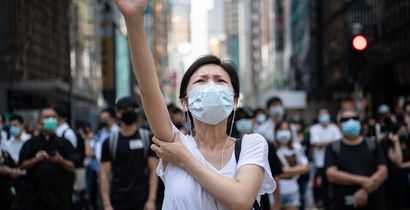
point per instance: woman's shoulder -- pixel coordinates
(254, 140)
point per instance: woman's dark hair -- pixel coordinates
(278, 126)
(228, 66)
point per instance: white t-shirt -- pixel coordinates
(68, 134)
(14, 146)
(292, 157)
(318, 134)
(182, 191)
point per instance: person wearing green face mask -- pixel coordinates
(50, 163)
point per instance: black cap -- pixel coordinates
(127, 102)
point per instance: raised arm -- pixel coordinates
(144, 69)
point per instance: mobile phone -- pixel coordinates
(349, 200)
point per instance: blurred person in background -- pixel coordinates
(260, 116)
(128, 176)
(395, 184)
(177, 118)
(322, 134)
(18, 137)
(276, 112)
(243, 123)
(385, 123)
(404, 138)
(107, 124)
(8, 173)
(50, 163)
(298, 129)
(294, 163)
(3, 134)
(65, 131)
(356, 168)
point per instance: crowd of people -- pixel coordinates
(348, 162)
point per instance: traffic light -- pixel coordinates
(359, 42)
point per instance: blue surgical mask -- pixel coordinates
(283, 136)
(244, 126)
(324, 119)
(351, 128)
(50, 124)
(260, 118)
(14, 131)
(211, 103)
(277, 112)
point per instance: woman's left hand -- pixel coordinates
(174, 152)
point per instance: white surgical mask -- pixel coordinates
(283, 136)
(211, 103)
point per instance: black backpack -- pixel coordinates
(80, 149)
(238, 147)
(145, 136)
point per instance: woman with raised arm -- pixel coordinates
(201, 170)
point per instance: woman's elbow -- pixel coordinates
(242, 203)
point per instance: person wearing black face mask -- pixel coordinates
(126, 156)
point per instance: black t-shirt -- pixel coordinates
(358, 160)
(129, 181)
(50, 180)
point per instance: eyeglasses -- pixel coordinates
(344, 119)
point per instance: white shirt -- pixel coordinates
(267, 130)
(285, 154)
(68, 134)
(14, 146)
(318, 134)
(182, 191)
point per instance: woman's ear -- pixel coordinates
(236, 103)
(184, 103)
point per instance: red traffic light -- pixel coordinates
(359, 42)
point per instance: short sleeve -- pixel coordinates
(71, 154)
(161, 171)
(330, 156)
(105, 153)
(255, 151)
(25, 152)
(274, 162)
(380, 159)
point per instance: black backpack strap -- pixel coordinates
(146, 138)
(113, 144)
(238, 147)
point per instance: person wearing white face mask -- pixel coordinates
(276, 113)
(200, 170)
(294, 164)
(321, 135)
(18, 137)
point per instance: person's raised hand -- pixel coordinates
(132, 9)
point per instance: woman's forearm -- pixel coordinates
(244, 188)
